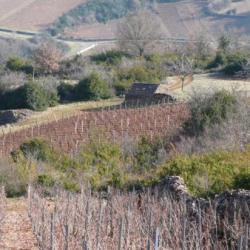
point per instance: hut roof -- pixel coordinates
(147, 89)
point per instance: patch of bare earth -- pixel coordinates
(16, 230)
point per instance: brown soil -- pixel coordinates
(15, 230)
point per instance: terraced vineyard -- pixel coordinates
(69, 133)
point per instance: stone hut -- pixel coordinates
(147, 93)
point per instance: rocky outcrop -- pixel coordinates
(232, 203)
(13, 116)
(174, 185)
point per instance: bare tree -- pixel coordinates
(47, 57)
(183, 67)
(12, 80)
(139, 34)
(201, 46)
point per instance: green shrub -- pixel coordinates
(93, 88)
(36, 97)
(146, 154)
(211, 173)
(66, 92)
(121, 87)
(14, 187)
(19, 64)
(53, 99)
(37, 149)
(141, 73)
(138, 73)
(209, 110)
(219, 60)
(234, 63)
(30, 96)
(46, 180)
(242, 180)
(103, 162)
(229, 63)
(71, 186)
(13, 99)
(111, 57)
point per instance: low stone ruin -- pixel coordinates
(13, 116)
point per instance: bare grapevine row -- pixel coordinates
(2, 203)
(130, 221)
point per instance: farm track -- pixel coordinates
(16, 230)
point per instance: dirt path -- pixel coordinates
(15, 230)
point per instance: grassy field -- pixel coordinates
(57, 113)
(205, 83)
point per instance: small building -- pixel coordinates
(147, 93)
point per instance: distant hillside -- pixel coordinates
(182, 19)
(97, 19)
(230, 7)
(33, 15)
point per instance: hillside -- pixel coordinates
(182, 19)
(33, 15)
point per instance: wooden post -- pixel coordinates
(127, 239)
(111, 221)
(52, 231)
(184, 234)
(85, 236)
(85, 245)
(3, 191)
(66, 227)
(29, 200)
(120, 235)
(150, 235)
(43, 227)
(98, 226)
(246, 237)
(157, 239)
